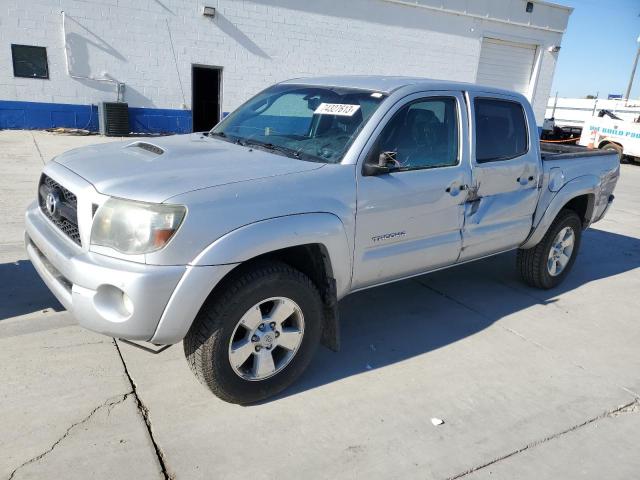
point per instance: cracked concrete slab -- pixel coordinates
(599, 450)
(495, 391)
(110, 442)
(109, 405)
(53, 379)
(143, 410)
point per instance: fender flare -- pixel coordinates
(583, 185)
(254, 239)
(218, 259)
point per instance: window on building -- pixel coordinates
(423, 134)
(501, 130)
(29, 61)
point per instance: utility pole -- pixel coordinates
(633, 72)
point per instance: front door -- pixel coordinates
(409, 221)
(504, 190)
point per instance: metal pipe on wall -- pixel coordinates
(119, 85)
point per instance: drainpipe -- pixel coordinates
(119, 85)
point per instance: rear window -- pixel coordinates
(501, 130)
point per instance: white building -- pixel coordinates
(172, 63)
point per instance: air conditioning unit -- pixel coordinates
(114, 119)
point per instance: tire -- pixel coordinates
(534, 263)
(255, 292)
(615, 147)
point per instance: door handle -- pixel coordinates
(524, 181)
(453, 190)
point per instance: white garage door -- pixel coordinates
(506, 64)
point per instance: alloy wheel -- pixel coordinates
(561, 251)
(266, 338)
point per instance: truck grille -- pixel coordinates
(60, 206)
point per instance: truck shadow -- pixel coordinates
(23, 291)
(399, 321)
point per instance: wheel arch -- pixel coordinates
(314, 261)
(317, 233)
(606, 142)
(578, 195)
(315, 244)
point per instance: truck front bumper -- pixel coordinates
(110, 296)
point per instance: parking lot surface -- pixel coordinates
(529, 383)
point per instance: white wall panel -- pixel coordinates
(257, 43)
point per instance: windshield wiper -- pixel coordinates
(227, 138)
(273, 148)
(248, 142)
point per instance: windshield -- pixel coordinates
(305, 122)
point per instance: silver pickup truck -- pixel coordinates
(240, 241)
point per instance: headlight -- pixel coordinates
(135, 227)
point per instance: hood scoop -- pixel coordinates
(149, 147)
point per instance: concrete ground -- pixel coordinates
(530, 384)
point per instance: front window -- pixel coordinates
(423, 134)
(306, 122)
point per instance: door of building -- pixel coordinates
(206, 83)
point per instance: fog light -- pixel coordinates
(127, 303)
(112, 303)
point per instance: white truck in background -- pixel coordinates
(607, 131)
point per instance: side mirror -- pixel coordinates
(386, 163)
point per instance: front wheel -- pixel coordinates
(548, 263)
(255, 337)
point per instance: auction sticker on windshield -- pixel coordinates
(343, 109)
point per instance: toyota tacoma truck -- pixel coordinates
(240, 241)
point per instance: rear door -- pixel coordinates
(505, 169)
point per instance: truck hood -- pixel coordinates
(153, 170)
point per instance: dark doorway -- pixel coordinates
(206, 83)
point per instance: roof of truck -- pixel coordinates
(387, 84)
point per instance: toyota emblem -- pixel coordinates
(52, 203)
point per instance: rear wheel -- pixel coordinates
(548, 263)
(257, 335)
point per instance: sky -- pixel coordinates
(598, 49)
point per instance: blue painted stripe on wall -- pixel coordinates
(36, 115)
(159, 120)
(30, 115)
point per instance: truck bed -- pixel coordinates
(555, 151)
